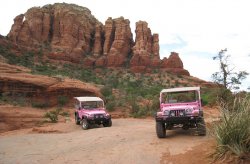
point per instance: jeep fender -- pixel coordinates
(200, 113)
(84, 117)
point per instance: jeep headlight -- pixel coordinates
(189, 110)
(90, 115)
(166, 112)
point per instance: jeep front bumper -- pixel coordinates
(98, 119)
(177, 120)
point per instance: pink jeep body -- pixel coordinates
(91, 110)
(180, 107)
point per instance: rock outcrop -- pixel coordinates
(64, 27)
(70, 33)
(17, 80)
(122, 42)
(146, 49)
(174, 64)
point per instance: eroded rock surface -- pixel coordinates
(70, 33)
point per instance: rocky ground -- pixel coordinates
(25, 139)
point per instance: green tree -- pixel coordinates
(226, 75)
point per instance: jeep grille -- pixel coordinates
(99, 116)
(177, 113)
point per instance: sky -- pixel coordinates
(196, 29)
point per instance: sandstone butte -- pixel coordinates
(72, 34)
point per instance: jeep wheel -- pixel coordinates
(108, 123)
(160, 130)
(77, 119)
(201, 127)
(85, 124)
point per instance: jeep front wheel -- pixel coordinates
(77, 119)
(160, 130)
(85, 124)
(108, 123)
(201, 127)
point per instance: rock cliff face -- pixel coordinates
(71, 33)
(146, 49)
(119, 42)
(174, 64)
(68, 29)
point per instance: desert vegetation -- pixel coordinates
(137, 92)
(232, 132)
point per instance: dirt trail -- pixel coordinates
(127, 141)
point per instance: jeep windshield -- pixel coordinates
(92, 104)
(180, 97)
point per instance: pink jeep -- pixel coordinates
(91, 110)
(180, 107)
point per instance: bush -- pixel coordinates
(134, 107)
(106, 91)
(141, 112)
(65, 114)
(233, 133)
(110, 106)
(210, 96)
(52, 115)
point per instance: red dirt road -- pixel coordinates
(127, 141)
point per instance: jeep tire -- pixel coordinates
(85, 124)
(201, 127)
(77, 119)
(160, 130)
(108, 123)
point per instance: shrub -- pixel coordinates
(134, 107)
(106, 91)
(210, 96)
(110, 106)
(65, 114)
(52, 115)
(141, 112)
(233, 133)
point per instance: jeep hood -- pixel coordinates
(95, 111)
(180, 106)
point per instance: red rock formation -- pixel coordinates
(174, 64)
(122, 43)
(173, 61)
(66, 27)
(71, 33)
(16, 27)
(109, 35)
(156, 47)
(101, 62)
(146, 48)
(97, 49)
(42, 87)
(89, 62)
